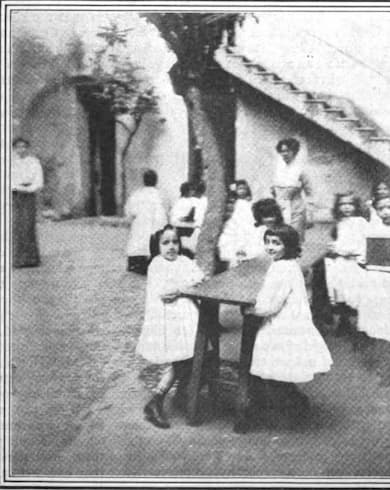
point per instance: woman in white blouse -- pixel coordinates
(26, 181)
(291, 187)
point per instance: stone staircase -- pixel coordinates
(335, 119)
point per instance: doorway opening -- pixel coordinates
(101, 123)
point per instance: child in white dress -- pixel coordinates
(184, 208)
(267, 214)
(379, 189)
(374, 303)
(345, 253)
(170, 323)
(288, 348)
(233, 244)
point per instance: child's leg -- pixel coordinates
(297, 404)
(154, 408)
(182, 370)
(166, 381)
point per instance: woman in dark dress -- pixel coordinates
(26, 181)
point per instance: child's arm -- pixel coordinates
(195, 276)
(273, 294)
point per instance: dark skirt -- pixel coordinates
(25, 251)
(138, 264)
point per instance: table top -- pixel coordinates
(240, 285)
(237, 286)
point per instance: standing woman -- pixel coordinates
(291, 185)
(26, 180)
(146, 213)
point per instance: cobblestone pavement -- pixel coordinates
(77, 396)
(74, 325)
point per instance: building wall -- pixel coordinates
(332, 165)
(58, 129)
(161, 143)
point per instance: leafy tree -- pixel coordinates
(120, 84)
(194, 38)
(33, 63)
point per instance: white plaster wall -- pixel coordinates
(58, 130)
(161, 144)
(340, 53)
(332, 166)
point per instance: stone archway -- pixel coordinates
(74, 137)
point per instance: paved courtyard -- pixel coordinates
(76, 406)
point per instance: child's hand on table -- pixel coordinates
(170, 297)
(248, 310)
(331, 247)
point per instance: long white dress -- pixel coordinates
(343, 273)
(374, 303)
(169, 329)
(288, 347)
(181, 209)
(146, 210)
(240, 234)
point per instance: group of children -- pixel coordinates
(288, 348)
(245, 225)
(360, 297)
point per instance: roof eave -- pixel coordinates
(234, 64)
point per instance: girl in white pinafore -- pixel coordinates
(170, 323)
(345, 253)
(374, 303)
(235, 244)
(288, 347)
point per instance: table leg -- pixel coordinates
(199, 353)
(247, 342)
(213, 335)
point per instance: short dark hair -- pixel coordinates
(19, 139)
(185, 189)
(244, 182)
(377, 184)
(291, 143)
(290, 239)
(355, 200)
(154, 243)
(266, 208)
(150, 178)
(379, 197)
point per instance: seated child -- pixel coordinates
(184, 209)
(374, 303)
(345, 253)
(379, 189)
(233, 241)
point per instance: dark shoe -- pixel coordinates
(154, 414)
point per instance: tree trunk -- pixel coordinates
(130, 133)
(207, 134)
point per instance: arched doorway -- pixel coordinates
(101, 129)
(73, 134)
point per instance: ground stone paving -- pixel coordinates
(79, 388)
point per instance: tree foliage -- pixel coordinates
(119, 78)
(194, 37)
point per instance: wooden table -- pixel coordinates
(237, 286)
